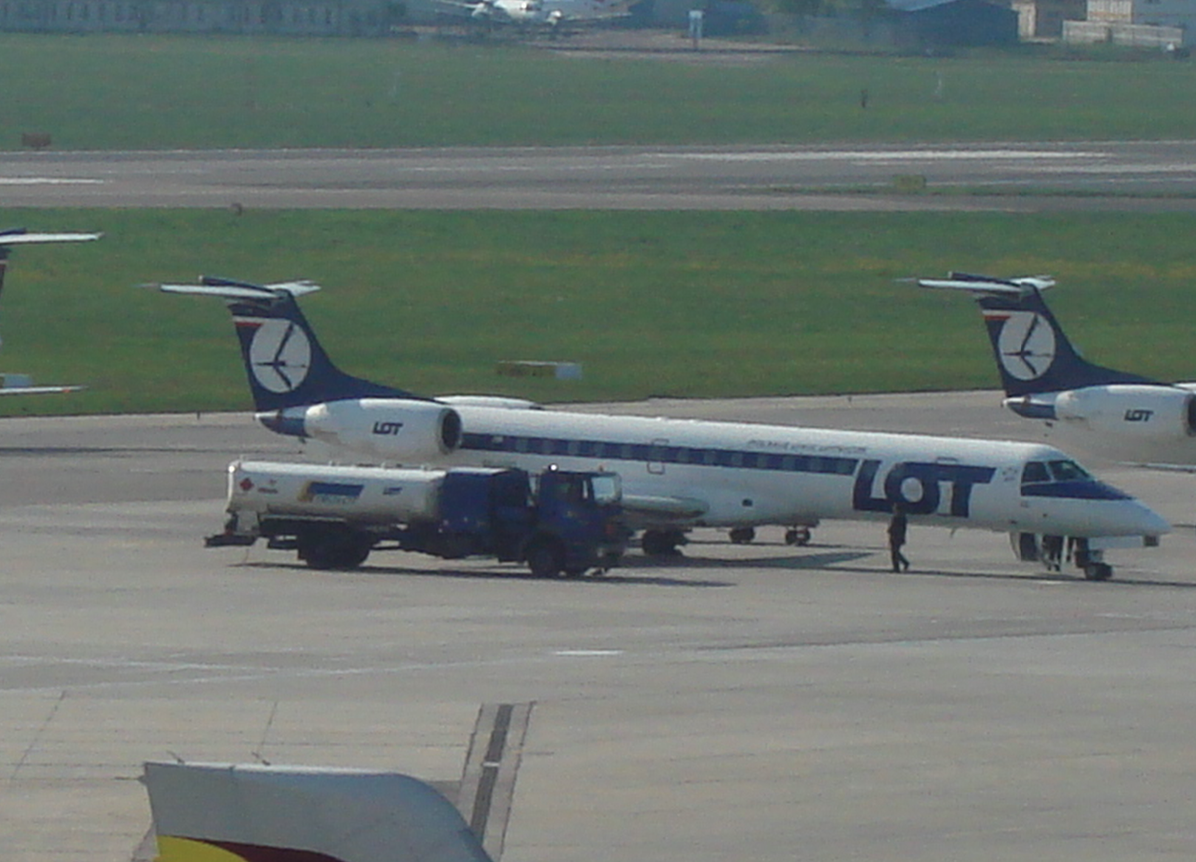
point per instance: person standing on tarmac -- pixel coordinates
(898, 526)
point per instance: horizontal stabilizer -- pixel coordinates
(39, 390)
(988, 286)
(226, 288)
(20, 236)
(22, 384)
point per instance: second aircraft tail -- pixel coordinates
(1032, 352)
(284, 361)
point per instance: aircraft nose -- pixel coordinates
(1147, 521)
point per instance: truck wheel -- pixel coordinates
(544, 558)
(662, 543)
(334, 550)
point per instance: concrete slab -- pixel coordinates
(759, 702)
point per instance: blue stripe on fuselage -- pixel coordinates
(1076, 490)
(659, 454)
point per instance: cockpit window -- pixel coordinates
(1035, 471)
(1068, 471)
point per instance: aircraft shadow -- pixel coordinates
(821, 560)
(614, 577)
(830, 559)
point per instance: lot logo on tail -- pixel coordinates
(280, 355)
(1026, 344)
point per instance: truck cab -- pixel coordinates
(578, 523)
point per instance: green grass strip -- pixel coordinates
(155, 92)
(683, 304)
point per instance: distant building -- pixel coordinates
(282, 17)
(1043, 19)
(954, 23)
(1142, 23)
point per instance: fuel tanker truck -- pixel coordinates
(558, 523)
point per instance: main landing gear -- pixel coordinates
(663, 542)
(799, 536)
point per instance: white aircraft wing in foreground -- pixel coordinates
(252, 813)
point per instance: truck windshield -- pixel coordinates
(607, 488)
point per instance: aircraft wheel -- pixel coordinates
(1098, 571)
(743, 535)
(799, 536)
(544, 558)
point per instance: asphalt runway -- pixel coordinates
(1013, 176)
(743, 702)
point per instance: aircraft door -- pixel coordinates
(656, 457)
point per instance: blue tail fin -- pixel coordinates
(284, 361)
(1033, 353)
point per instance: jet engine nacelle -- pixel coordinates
(1142, 411)
(391, 430)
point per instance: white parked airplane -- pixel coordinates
(679, 473)
(21, 384)
(541, 13)
(1116, 414)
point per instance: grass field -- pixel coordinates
(684, 304)
(154, 92)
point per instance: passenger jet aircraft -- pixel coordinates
(551, 14)
(20, 384)
(681, 473)
(1120, 415)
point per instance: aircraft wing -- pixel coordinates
(669, 507)
(207, 810)
(21, 237)
(595, 19)
(39, 390)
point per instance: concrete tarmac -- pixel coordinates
(743, 702)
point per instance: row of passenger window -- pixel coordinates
(661, 454)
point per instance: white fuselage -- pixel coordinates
(531, 12)
(699, 473)
(1143, 423)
